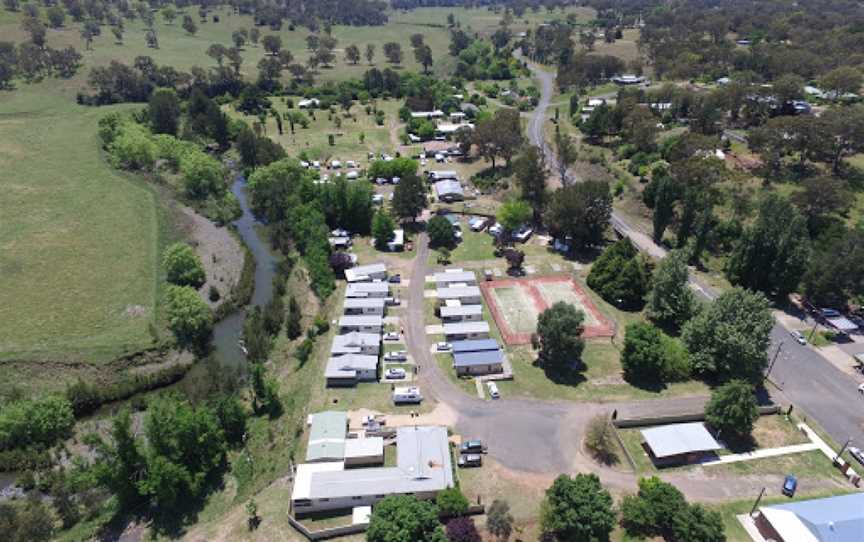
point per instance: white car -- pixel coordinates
(522, 234)
(443, 347)
(351, 164)
(377, 199)
(857, 454)
(396, 373)
(391, 336)
(413, 138)
(493, 390)
(798, 337)
(396, 355)
(439, 157)
(495, 229)
(380, 181)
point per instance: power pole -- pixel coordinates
(758, 500)
(773, 361)
(843, 449)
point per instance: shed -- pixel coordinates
(364, 305)
(366, 273)
(364, 451)
(468, 295)
(364, 323)
(350, 369)
(327, 432)
(462, 313)
(679, 443)
(455, 277)
(356, 343)
(367, 289)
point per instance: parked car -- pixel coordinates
(392, 301)
(396, 355)
(395, 279)
(410, 395)
(798, 337)
(477, 223)
(522, 234)
(857, 454)
(495, 229)
(790, 484)
(493, 390)
(472, 447)
(470, 460)
(380, 181)
(391, 336)
(395, 373)
(443, 347)
(830, 313)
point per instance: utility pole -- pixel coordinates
(812, 331)
(843, 449)
(758, 500)
(773, 361)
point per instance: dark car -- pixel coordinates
(395, 279)
(857, 454)
(790, 484)
(472, 447)
(470, 460)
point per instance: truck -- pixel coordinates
(406, 396)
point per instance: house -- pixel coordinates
(455, 276)
(449, 190)
(480, 345)
(628, 79)
(423, 468)
(340, 243)
(679, 443)
(364, 305)
(367, 289)
(350, 369)
(461, 313)
(447, 130)
(457, 117)
(363, 323)
(478, 363)
(467, 295)
(428, 115)
(368, 344)
(832, 519)
(309, 103)
(435, 176)
(397, 244)
(366, 273)
(460, 331)
(327, 432)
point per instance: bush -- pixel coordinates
(451, 502)
(621, 276)
(133, 148)
(29, 422)
(182, 266)
(600, 441)
(440, 232)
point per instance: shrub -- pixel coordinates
(451, 502)
(182, 266)
(600, 442)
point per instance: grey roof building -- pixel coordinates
(327, 436)
(356, 343)
(455, 277)
(833, 519)
(449, 190)
(349, 369)
(467, 330)
(366, 273)
(367, 289)
(459, 292)
(423, 468)
(679, 442)
(478, 345)
(462, 312)
(368, 323)
(364, 305)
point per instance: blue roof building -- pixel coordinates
(477, 345)
(833, 519)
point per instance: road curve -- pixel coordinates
(807, 380)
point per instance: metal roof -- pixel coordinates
(679, 438)
(842, 323)
(327, 436)
(362, 289)
(447, 187)
(361, 320)
(352, 362)
(454, 292)
(461, 310)
(473, 359)
(476, 345)
(422, 465)
(364, 272)
(355, 338)
(455, 276)
(466, 327)
(364, 447)
(364, 302)
(833, 519)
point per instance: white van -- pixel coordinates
(405, 396)
(493, 390)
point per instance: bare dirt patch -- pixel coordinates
(220, 252)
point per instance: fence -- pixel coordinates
(326, 534)
(681, 418)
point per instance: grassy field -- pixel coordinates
(80, 241)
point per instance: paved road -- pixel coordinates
(806, 378)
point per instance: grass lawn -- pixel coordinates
(80, 245)
(475, 246)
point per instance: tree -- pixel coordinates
(56, 16)
(513, 214)
(169, 14)
(164, 111)
(651, 512)
(530, 171)
(203, 175)
(730, 338)
(840, 134)
(182, 266)
(643, 357)
(293, 327)
(440, 232)
(515, 259)
(189, 317)
(393, 52)
(409, 197)
(580, 213)
(423, 56)
(565, 154)
(254, 35)
(600, 442)
(671, 302)
(559, 330)
(836, 271)
(272, 44)
(841, 80)
(462, 529)
(577, 508)
(269, 72)
(451, 502)
(122, 464)
(732, 409)
(217, 52)
(772, 255)
(694, 523)
(499, 520)
(822, 199)
(664, 206)
(403, 518)
(36, 29)
(352, 54)
(189, 25)
(382, 229)
(621, 276)
(370, 53)
(265, 391)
